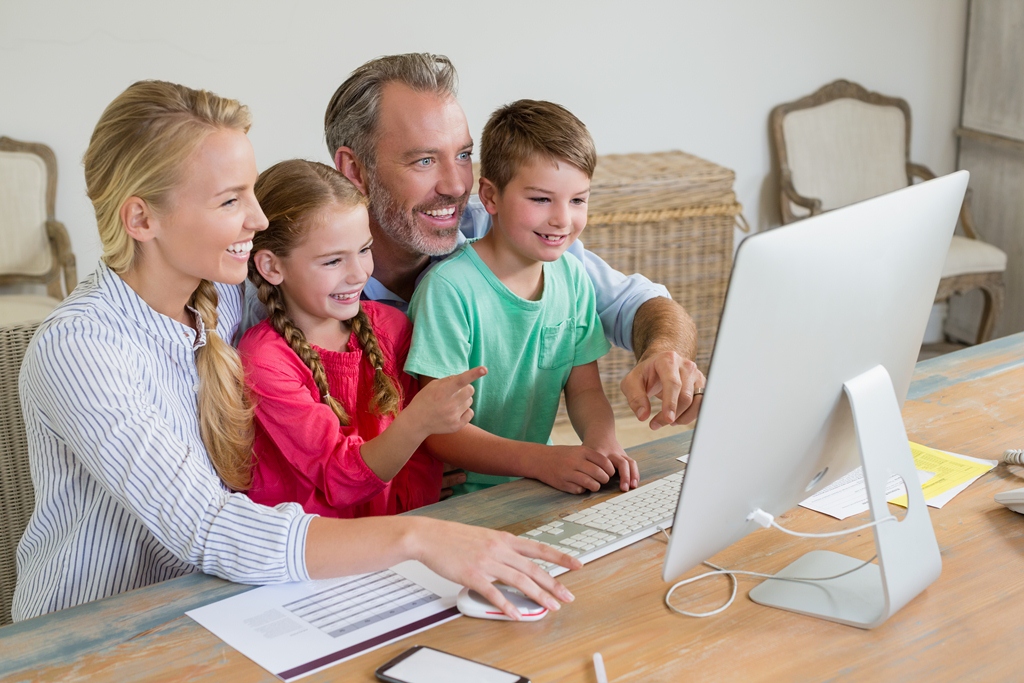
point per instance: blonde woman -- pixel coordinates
(139, 433)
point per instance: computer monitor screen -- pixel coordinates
(810, 306)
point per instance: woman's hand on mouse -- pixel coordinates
(476, 557)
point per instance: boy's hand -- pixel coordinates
(575, 469)
(444, 405)
(629, 471)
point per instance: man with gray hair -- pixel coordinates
(396, 130)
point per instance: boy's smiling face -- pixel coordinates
(541, 211)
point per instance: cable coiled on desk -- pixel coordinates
(1014, 456)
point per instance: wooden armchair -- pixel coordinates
(844, 144)
(34, 247)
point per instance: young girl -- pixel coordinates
(137, 425)
(337, 427)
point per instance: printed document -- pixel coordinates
(942, 475)
(295, 629)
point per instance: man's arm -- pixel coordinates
(665, 343)
(663, 325)
(639, 315)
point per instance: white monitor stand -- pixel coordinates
(818, 340)
(908, 555)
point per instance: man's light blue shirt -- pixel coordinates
(618, 296)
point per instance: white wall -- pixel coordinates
(644, 76)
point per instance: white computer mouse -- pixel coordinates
(472, 604)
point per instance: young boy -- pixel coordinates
(513, 301)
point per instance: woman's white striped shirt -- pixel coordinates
(126, 495)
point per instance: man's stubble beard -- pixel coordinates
(400, 225)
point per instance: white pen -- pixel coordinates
(602, 677)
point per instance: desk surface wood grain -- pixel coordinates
(967, 626)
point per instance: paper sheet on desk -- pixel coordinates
(952, 474)
(847, 496)
(295, 629)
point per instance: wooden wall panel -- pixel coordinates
(994, 78)
(997, 181)
(992, 149)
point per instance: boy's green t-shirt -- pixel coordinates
(464, 316)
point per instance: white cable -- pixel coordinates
(732, 579)
(731, 573)
(1014, 456)
(766, 520)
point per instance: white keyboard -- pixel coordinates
(611, 525)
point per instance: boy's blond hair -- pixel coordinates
(518, 132)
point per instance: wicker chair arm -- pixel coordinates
(790, 193)
(919, 171)
(966, 218)
(65, 259)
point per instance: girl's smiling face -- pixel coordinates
(323, 276)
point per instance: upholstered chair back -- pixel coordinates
(24, 245)
(845, 151)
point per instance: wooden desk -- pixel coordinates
(967, 626)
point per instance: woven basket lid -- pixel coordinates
(662, 180)
(653, 182)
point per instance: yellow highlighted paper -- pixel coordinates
(950, 471)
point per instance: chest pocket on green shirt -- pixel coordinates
(557, 345)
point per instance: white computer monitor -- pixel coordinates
(819, 335)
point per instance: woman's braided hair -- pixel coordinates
(140, 148)
(291, 193)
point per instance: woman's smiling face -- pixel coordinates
(205, 230)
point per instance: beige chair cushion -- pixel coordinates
(846, 151)
(972, 256)
(24, 246)
(23, 308)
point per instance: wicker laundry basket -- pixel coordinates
(17, 496)
(669, 216)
